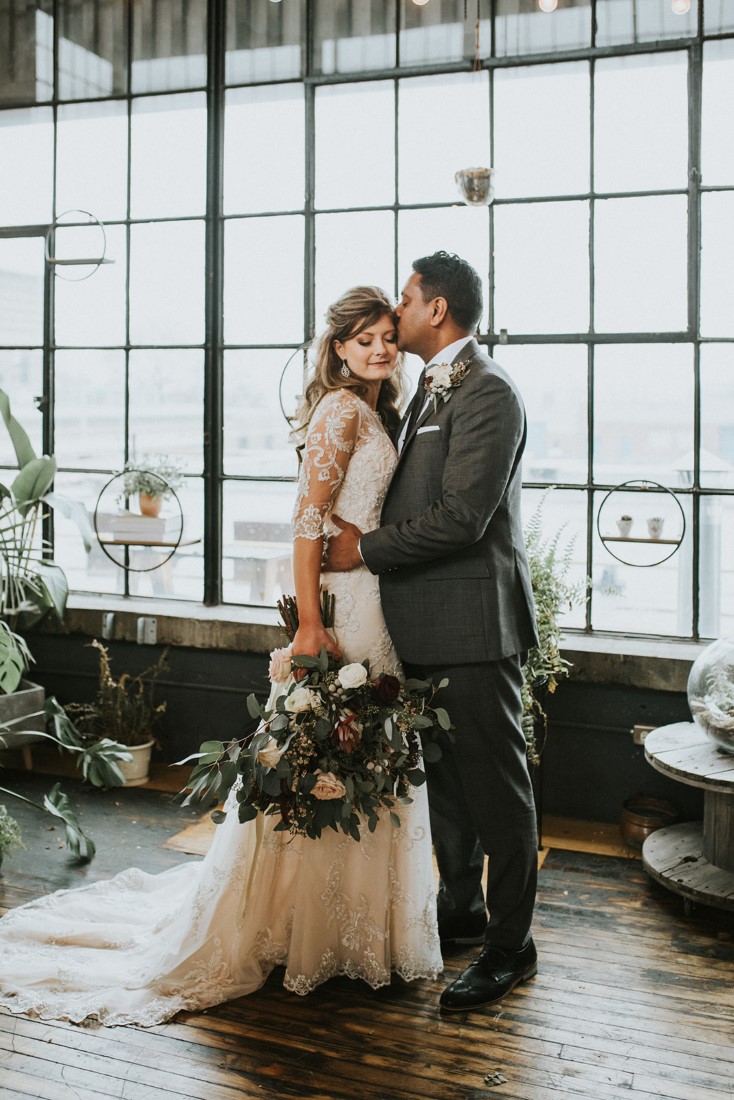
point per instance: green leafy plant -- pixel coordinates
(153, 475)
(124, 709)
(550, 563)
(10, 836)
(32, 587)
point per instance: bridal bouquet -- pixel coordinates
(336, 748)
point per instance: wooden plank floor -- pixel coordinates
(631, 1001)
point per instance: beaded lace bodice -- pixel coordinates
(348, 460)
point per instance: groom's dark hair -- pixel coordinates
(444, 275)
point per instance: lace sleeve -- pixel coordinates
(331, 439)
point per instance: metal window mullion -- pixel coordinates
(490, 225)
(591, 352)
(48, 386)
(397, 287)
(214, 267)
(695, 107)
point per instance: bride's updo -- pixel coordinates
(349, 315)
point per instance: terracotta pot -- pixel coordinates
(149, 506)
(137, 770)
(642, 815)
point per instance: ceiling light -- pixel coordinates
(681, 7)
(547, 5)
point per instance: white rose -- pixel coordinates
(440, 376)
(352, 676)
(270, 753)
(328, 786)
(300, 698)
(280, 665)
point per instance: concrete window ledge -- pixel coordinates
(656, 664)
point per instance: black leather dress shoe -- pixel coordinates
(462, 930)
(490, 978)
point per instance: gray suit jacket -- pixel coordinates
(454, 576)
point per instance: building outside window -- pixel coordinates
(249, 162)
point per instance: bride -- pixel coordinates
(139, 948)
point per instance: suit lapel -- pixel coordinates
(433, 406)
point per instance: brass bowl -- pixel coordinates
(642, 815)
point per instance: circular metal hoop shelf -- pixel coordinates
(171, 545)
(641, 485)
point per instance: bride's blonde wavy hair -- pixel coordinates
(349, 315)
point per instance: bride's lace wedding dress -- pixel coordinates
(139, 947)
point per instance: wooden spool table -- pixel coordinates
(695, 859)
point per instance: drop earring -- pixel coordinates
(344, 370)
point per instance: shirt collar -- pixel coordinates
(449, 353)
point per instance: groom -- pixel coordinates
(457, 598)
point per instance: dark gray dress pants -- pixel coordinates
(481, 799)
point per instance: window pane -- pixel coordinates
(717, 126)
(435, 103)
(716, 592)
(717, 422)
(521, 27)
(552, 381)
(22, 379)
(90, 409)
(263, 280)
(86, 570)
(92, 49)
(264, 40)
(354, 36)
(21, 290)
(91, 311)
(355, 165)
(257, 541)
(443, 32)
(168, 156)
(459, 229)
(640, 257)
(366, 260)
(169, 45)
(167, 283)
(718, 17)
(643, 412)
(542, 267)
(542, 137)
(264, 149)
(26, 143)
(167, 406)
(26, 52)
(621, 21)
(642, 599)
(562, 514)
(256, 432)
(717, 264)
(91, 159)
(649, 94)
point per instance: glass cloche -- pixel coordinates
(711, 692)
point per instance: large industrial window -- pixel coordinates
(251, 161)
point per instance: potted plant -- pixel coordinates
(9, 833)
(553, 593)
(32, 587)
(154, 478)
(124, 711)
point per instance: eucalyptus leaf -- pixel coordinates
(432, 752)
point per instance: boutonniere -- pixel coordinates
(443, 378)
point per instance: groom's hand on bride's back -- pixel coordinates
(342, 550)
